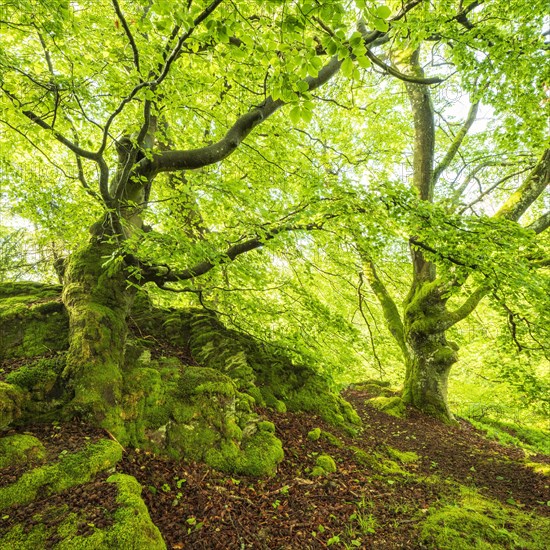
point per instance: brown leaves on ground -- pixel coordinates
(196, 507)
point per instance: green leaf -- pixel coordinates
(383, 12)
(363, 62)
(295, 114)
(347, 67)
(381, 25)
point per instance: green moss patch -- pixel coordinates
(270, 378)
(477, 522)
(20, 449)
(33, 320)
(389, 405)
(404, 457)
(324, 465)
(71, 469)
(125, 522)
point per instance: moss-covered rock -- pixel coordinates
(324, 465)
(11, 403)
(477, 522)
(197, 413)
(33, 320)
(314, 434)
(20, 449)
(270, 378)
(72, 469)
(389, 405)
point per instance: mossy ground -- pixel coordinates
(473, 521)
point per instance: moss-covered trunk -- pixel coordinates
(97, 301)
(431, 355)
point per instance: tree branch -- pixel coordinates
(58, 135)
(129, 35)
(398, 74)
(537, 181)
(453, 317)
(211, 154)
(161, 275)
(457, 142)
(541, 224)
(389, 307)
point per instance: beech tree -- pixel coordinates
(132, 102)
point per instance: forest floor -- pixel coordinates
(390, 484)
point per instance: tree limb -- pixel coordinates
(129, 35)
(541, 224)
(457, 142)
(398, 74)
(389, 307)
(161, 275)
(453, 317)
(211, 154)
(538, 180)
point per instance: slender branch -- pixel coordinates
(161, 275)
(492, 188)
(57, 135)
(129, 35)
(416, 243)
(457, 142)
(402, 76)
(361, 300)
(153, 84)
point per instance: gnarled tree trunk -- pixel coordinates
(430, 354)
(97, 300)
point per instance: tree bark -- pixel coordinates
(431, 355)
(97, 300)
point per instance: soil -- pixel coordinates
(196, 507)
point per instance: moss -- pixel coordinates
(376, 390)
(32, 320)
(11, 403)
(314, 434)
(19, 449)
(200, 380)
(317, 433)
(315, 396)
(266, 426)
(324, 465)
(534, 439)
(404, 457)
(542, 469)
(259, 456)
(332, 439)
(389, 405)
(132, 527)
(197, 413)
(251, 366)
(477, 522)
(70, 470)
(378, 463)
